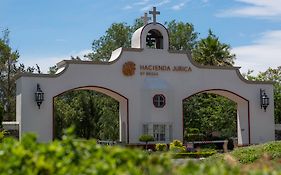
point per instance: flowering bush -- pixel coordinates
(161, 147)
(177, 146)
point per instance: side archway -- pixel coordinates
(123, 109)
(243, 113)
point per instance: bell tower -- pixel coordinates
(152, 35)
(154, 39)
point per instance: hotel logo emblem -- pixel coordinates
(129, 68)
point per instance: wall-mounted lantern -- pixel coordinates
(39, 96)
(264, 99)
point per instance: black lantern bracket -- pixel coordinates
(39, 96)
(264, 99)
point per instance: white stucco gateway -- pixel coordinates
(150, 83)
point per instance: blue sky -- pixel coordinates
(47, 31)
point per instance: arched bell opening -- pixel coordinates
(154, 39)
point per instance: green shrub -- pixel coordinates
(177, 143)
(214, 168)
(161, 147)
(177, 146)
(273, 149)
(2, 135)
(193, 154)
(250, 154)
(72, 157)
(1, 115)
(146, 138)
(193, 134)
(247, 154)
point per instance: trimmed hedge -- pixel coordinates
(193, 154)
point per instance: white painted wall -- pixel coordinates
(139, 91)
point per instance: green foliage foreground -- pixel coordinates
(70, 156)
(251, 154)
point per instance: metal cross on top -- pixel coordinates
(145, 18)
(154, 13)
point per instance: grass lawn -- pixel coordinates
(257, 157)
(250, 154)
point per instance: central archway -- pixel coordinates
(123, 109)
(243, 113)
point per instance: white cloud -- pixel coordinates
(262, 54)
(145, 5)
(178, 6)
(143, 2)
(46, 62)
(157, 4)
(163, 2)
(267, 9)
(146, 8)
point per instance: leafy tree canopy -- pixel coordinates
(117, 35)
(210, 51)
(93, 115)
(209, 113)
(182, 37)
(9, 68)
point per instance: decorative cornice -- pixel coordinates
(66, 63)
(189, 56)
